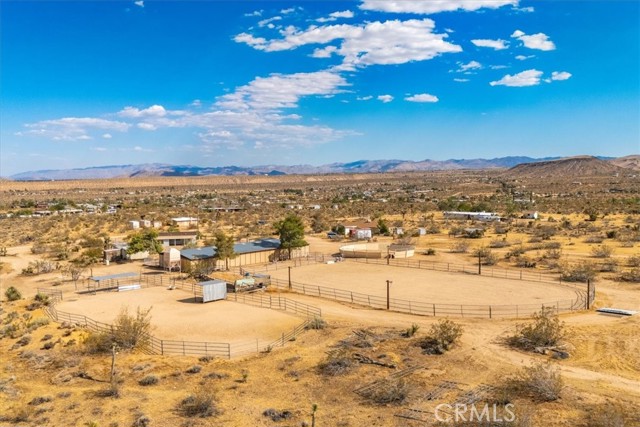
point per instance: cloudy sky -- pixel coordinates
(215, 83)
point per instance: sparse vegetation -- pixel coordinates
(12, 294)
(441, 337)
(199, 404)
(540, 382)
(546, 330)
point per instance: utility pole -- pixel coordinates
(479, 263)
(389, 282)
(290, 287)
(388, 254)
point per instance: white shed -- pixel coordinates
(170, 259)
(213, 290)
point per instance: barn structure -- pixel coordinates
(261, 251)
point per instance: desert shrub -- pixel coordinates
(580, 272)
(112, 390)
(149, 380)
(545, 330)
(393, 390)
(194, 369)
(199, 404)
(39, 400)
(594, 239)
(37, 323)
(276, 415)
(515, 252)
(603, 251)
(525, 262)
(541, 382)
(338, 363)
(632, 275)
(316, 323)
(499, 243)
(98, 342)
(552, 254)
(430, 252)
(130, 331)
(411, 331)
(142, 421)
(460, 247)
(633, 261)
(442, 336)
(606, 415)
(12, 294)
(608, 266)
(206, 359)
(24, 340)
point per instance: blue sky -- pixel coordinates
(215, 83)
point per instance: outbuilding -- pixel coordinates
(212, 290)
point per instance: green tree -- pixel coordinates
(224, 248)
(291, 231)
(144, 240)
(383, 228)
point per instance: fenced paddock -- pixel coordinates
(242, 325)
(428, 292)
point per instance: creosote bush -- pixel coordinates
(442, 336)
(317, 323)
(199, 404)
(128, 332)
(394, 390)
(580, 272)
(338, 363)
(12, 294)
(540, 382)
(546, 330)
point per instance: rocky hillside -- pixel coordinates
(566, 167)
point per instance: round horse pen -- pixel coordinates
(429, 292)
(376, 251)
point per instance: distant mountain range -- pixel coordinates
(360, 166)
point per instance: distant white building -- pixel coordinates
(134, 225)
(530, 215)
(185, 222)
(477, 216)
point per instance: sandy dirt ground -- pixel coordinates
(175, 316)
(426, 286)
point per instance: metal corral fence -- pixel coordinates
(194, 348)
(501, 273)
(424, 308)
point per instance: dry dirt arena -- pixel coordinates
(175, 316)
(426, 285)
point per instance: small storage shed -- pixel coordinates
(213, 290)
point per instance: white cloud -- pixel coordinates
(560, 75)
(539, 41)
(282, 90)
(269, 21)
(528, 9)
(107, 136)
(72, 128)
(99, 149)
(287, 11)
(524, 57)
(494, 44)
(390, 42)
(254, 13)
(147, 126)
(336, 15)
(422, 97)
(525, 78)
(364, 98)
(432, 6)
(196, 103)
(385, 98)
(498, 67)
(153, 111)
(141, 149)
(139, 3)
(325, 52)
(472, 65)
(461, 80)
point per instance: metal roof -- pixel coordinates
(112, 276)
(239, 248)
(211, 282)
